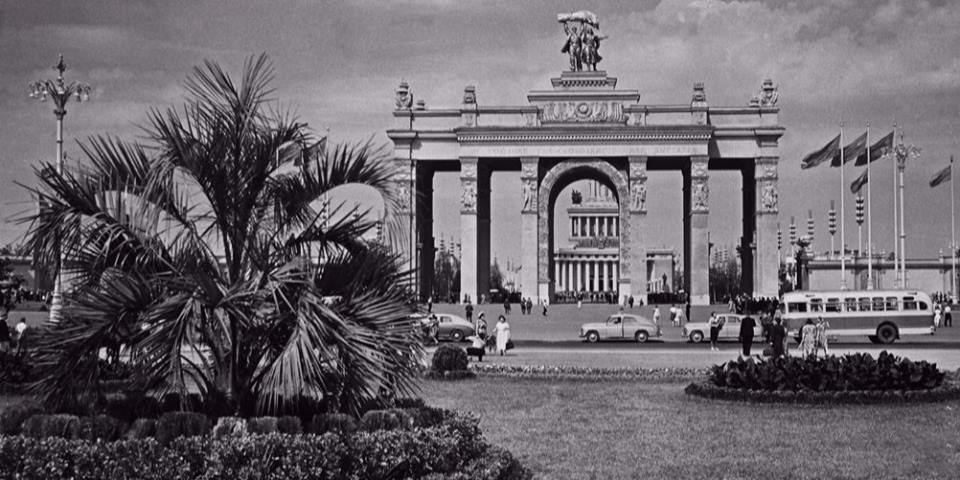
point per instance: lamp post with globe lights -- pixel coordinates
(60, 93)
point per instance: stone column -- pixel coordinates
(579, 274)
(474, 228)
(633, 252)
(767, 281)
(529, 227)
(747, 261)
(697, 209)
(606, 274)
(616, 279)
(405, 192)
(556, 276)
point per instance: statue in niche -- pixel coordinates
(468, 198)
(638, 197)
(768, 198)
(701, 192)
(529, 196)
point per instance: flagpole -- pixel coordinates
(896, 238)
(869, 221)
(843, 238)
(953, 239)
(903, 223)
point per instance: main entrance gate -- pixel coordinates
(584, 127)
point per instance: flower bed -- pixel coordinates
(853, 378)
(565, 371)
(454, 448)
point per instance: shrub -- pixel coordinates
(852, 372)
(390, 419)
(57, 425)
(15, 370)
(426, 416)
(181, 424)
(290, 425)
(13, 417)
(333, 423)
(230, 427)
(263, 425)
(449, 358)
(142, 428)
(99, 427)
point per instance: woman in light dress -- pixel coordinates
(808, 334)
(503, 334)
(821, 337)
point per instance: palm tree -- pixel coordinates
(213, 252)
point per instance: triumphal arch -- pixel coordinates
(584, 127)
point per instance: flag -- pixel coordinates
(942, 175)
(882, 148)
(828, 152)
(858, 183)
(855, 149)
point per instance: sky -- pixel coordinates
(337, 64)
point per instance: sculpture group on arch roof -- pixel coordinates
(583, 40)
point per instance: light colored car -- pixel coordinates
(620, 327)
(696, 332)
(453, 327)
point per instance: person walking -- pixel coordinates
(715, 325)
(680, 317)
(429, 304)
(21, 333)
(630, 301)
(545, 303)
(778, 338)
(747, 326)
(468, 310)
(673, 315)
(808, 334)
(937, 315)
(579, 300)
(503, 334)
(947, 318)
(476, 347)
(656, 315)
(820, 340)
(506, 306)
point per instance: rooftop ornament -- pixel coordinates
(583, 40)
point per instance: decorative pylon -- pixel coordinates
(859, 217)
(832, 225)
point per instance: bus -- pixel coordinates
(883, 316)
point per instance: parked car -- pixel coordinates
(696, 332)
(620, 327)
(453, 327)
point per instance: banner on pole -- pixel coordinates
(854, 150)
(828, 152)
(859, 183)
(941, 176)
(878, 150)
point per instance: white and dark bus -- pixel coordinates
(883, 316)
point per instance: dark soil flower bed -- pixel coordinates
(947, 391)
(573, 372)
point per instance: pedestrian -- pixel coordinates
(679, 317)
(778, 338)
(468, 310)
(545, 303)
(579, 300)
(630, 301)
(21, 333)
(732, 308)
(746, 334)
(820, 340)
(481, 326)
(656, 315)
(476, 347)
(506, 306)
(808, 334)
(529, 306)
(673, 315)
(936, 317)
(4, 336)
(947, 318)
(503, 334)
(433, 330)
(429, 304)
(716, 324)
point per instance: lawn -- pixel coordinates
(576, 429)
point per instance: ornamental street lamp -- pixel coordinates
(60, 93)
(832, 225)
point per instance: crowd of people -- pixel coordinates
(746, 304)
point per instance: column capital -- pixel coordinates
(699, 166)
(468, 167)
(529, 166)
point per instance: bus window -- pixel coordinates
(833, 304)
(909, 303)
(864, 304)
(816, 304)
(892, 304)
(797, 307)
(923, 305)
(877, 304)
(851, 304)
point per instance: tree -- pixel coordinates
(211, 251)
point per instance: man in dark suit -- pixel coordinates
(746, 334)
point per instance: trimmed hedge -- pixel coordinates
(449, 358)
(454, 449)
(181, 424)
(938, 394)
(852, 372)
(575, 372)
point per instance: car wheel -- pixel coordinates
(886, 333)
(456, 336)
(593, 337)
(696, 336)
(641, 336)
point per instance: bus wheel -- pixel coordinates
(873, 339)
(886, 333)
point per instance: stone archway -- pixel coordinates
(545, 200)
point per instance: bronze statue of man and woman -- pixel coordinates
(583, 40)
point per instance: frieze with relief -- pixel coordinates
(468, 197)
(769, 201)
(698, 168)
(582, 112)
(701, 195)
